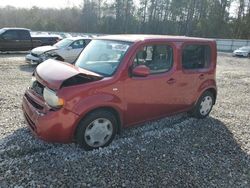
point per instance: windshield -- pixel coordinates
(63, 43)
(2, 31)
(102, 56)
(245, 48)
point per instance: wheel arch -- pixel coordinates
(213, 90)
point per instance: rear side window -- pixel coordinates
(196, 56)
(158, 58)
(24, 35)
(78, 44)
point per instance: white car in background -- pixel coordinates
(243, 51)
(66, 50)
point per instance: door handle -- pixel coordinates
(201, 76)
(171, 81)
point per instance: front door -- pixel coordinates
(157, 94)
(10, 40)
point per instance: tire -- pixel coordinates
(97, 129)
(204, 105)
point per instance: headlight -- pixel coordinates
(33, 79)
(52, 99)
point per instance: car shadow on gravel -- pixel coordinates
(27, 67)
(176, 151)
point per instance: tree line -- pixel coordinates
(202, 18)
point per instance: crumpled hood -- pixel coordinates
(54, 74)
(40, 50)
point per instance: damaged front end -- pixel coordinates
(50, 76)
(79, 79)
(55, 75)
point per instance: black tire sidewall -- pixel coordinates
(90, 118)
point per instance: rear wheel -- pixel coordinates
(96, 130)
(203, 106)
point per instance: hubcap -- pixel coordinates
(206, 105)
(98, 132)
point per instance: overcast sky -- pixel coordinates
(41, 3)
(61, 4)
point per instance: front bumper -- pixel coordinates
(48, 124)
(32, 59)
(240, 54)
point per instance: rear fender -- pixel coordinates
(205, 86)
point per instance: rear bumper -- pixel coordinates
(48, 125)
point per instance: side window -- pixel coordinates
(24, 35)
(87, 41)
(78, 44)
(196, 56)
(158, 58)
(10, 35)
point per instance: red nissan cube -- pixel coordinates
(119, 81)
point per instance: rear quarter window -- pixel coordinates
(196, 56)
(24, 35)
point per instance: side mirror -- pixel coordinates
(141, 71)
(69, 48)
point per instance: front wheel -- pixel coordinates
(204, 105)
(96, 130)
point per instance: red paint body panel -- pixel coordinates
(52, 126)
(135, 99)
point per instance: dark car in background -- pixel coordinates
(20, 39)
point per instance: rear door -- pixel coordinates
(25, 42)
(195, 66)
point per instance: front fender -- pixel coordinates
(93, 102)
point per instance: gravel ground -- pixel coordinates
(175, 151)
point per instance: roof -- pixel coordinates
(45, 35)
(15, 28)
(137, 37)
(78, 38)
